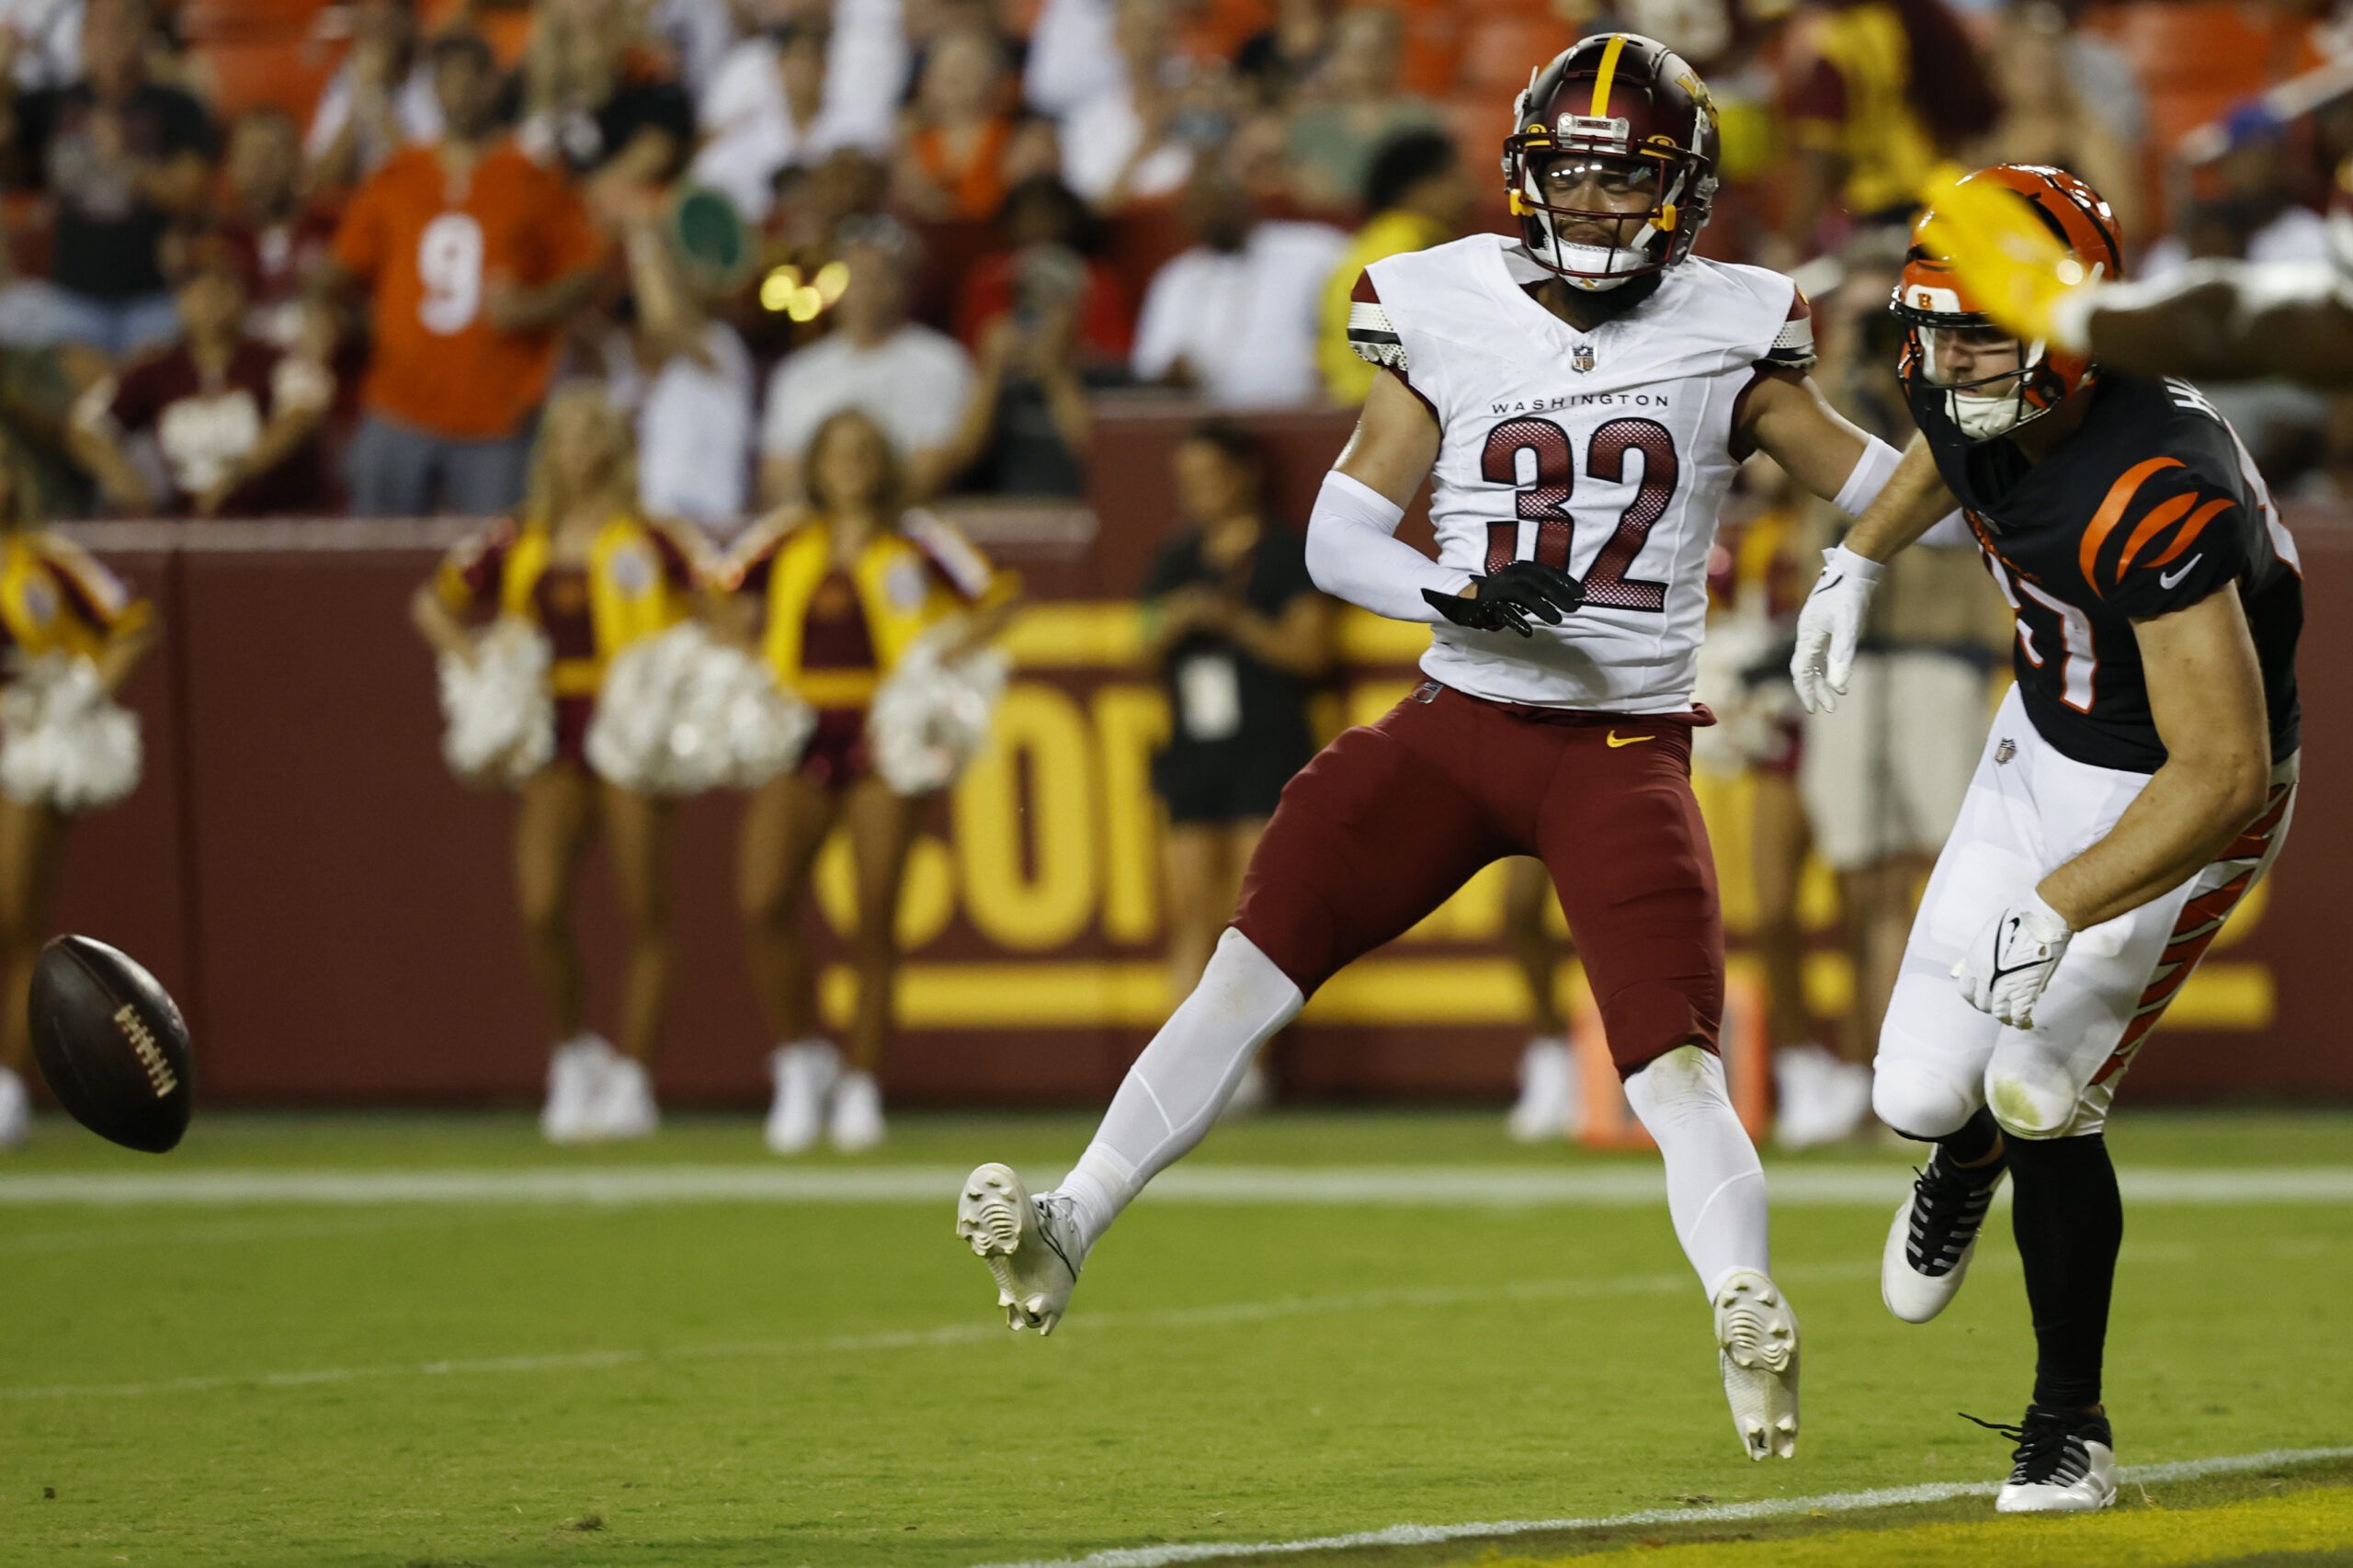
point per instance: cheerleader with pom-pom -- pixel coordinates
(879, 617)
(72, 634)
(560, 668)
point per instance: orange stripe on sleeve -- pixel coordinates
(2192, 528)
(2112, 511)
(2164, 513)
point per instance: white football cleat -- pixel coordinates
(1548, 1106)
(576, 1079)
(2064, 1463)
(1756, 1345)
(804, 1073)
(15, 1111)
(624, 1106)
(1932, 1238)
(855, 1123)
(1030, 1243)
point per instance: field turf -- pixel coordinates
(312, 1342)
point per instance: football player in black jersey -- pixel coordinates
(2138, 781)
(2216, 320)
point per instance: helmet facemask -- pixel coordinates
(1658, 198)
(1984, 403)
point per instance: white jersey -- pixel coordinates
(1606, 453)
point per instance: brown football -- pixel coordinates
(112, 1043)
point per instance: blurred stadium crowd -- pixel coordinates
(278, 257)
(972, 217)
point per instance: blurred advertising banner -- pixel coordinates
(337, 910)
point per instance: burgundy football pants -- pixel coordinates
(1391, 818)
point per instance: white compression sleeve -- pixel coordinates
(1715, 1185)
(1870, 474)
(1171, 1096)
(1353, 553)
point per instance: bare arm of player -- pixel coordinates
(1786, 418)
(2224, 323)
(1395, 444)
(2206, 695)
(1353, 552)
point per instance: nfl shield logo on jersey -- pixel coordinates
(1581, 357)
(2007, 750)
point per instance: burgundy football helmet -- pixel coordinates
(1633, 109)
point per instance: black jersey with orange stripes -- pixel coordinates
(2147, 507)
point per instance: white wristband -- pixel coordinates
(1861, 568)
(1871, 472)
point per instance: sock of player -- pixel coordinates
(1715, 1185)
(1976, 1150)
(1173, 1094)
(2069, 1219)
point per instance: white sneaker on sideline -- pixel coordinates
(624, 1106)
(15, 1111)
(854, 1124)
(1821, 1099)
(1030, 1243)
(1254, 1093)
(1550, 1105)
(804, 1073)
(575, 1078)
(1757, 1346)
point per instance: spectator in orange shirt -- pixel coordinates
(474, 257)
(965, 147)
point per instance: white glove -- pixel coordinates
(2004, 970)
(1830, 625)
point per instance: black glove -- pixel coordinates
(1507, 598)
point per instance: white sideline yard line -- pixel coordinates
(989, 1327)
(1719, 1512)
(1486, 1187)
(1408, 1297)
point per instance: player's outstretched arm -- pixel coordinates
(2217, 321)
(2220, 321)
(2206, 695)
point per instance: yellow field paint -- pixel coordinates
(2152, 1537)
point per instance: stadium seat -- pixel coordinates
(203, 21)
(1500, 49)
(285, 74)
(1433, 53)
(1478, 125)
(2197, 58)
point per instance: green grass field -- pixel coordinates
(308, 1341)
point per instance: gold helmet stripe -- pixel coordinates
(1607, 72)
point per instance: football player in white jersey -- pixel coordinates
(2220, 320)
(1582, 396)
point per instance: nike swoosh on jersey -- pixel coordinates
(1615, 740)
(2167, 579)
